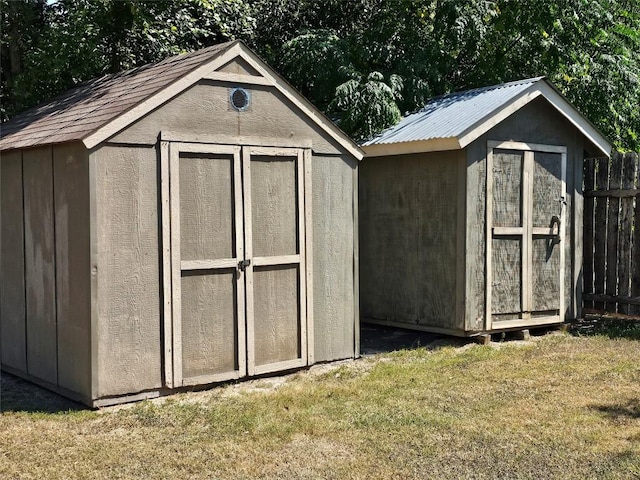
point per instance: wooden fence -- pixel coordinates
(611, 266)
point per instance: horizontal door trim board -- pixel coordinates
(523, 146)
(280, 366)
(533, 321)
(208, 264)
(276, 260)
(212, 378)
(234, 140)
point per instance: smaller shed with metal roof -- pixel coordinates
(471, 212)
(180, 224)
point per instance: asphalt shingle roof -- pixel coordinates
(78, 112)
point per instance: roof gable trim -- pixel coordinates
(208, 71)
(130, 116)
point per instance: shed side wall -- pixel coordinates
(540, 123)
(333, 257)
(269, 116)
(128, 290)
(12, 292)
(40, 264)
(408, 239)
(73, 282)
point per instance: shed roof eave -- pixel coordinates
(416, 146)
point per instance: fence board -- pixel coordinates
(615, 182)
(611, 268)
(600, 231)
(589, 203)
(625, 231)
(635, 248)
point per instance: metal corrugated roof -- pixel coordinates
(80, 111)
(451, 115)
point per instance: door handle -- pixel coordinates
(243, 264)
(555, 222)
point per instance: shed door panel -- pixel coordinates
(524, 256)
(274, 229)
(548, 192)
(206, 246)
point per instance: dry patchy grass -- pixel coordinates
(558, 407)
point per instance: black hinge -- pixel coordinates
(243, 264)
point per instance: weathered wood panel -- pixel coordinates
(613, 222)
(408, 222)
(40, 264)
(614, 234)
(270, 115)
(12, 286)
(333, 277)
(547, 188)
(600, 222)
(128, 299)
(507, 188)
(207, 207)
(274, 200)
(506, 265)
(589, 208)
(625, 231)
(276, 314)
(545, 275)
(73, 282)
(209, 319)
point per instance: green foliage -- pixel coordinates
(76, 40)
(360, 61)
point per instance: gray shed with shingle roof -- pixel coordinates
(471, 212)
(180, 224)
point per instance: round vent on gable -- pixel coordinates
(239, 99)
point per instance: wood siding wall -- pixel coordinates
(128, 270)
(45, 270)
(409, 229)
(612, 234)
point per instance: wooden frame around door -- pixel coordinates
(528, 150)
(171, 267)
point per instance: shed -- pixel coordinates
(180, 224)
(471, 212)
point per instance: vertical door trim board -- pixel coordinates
(527, 149)
(561, 233)
(302, 239)
(488, 234)
(166, 263)
(176, 300)
(248, 253)
(240, 255)
(308, 217)
(527, 229)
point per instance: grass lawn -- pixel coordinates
(559, 406)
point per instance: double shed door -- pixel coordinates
(237, 250)
(525, 234)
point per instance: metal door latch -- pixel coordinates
(243, 264)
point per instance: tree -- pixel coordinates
(70, 41)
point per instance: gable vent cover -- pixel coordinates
(240, 99)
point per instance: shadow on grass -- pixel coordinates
(631, 409)
(608, 326)
(17, 395)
